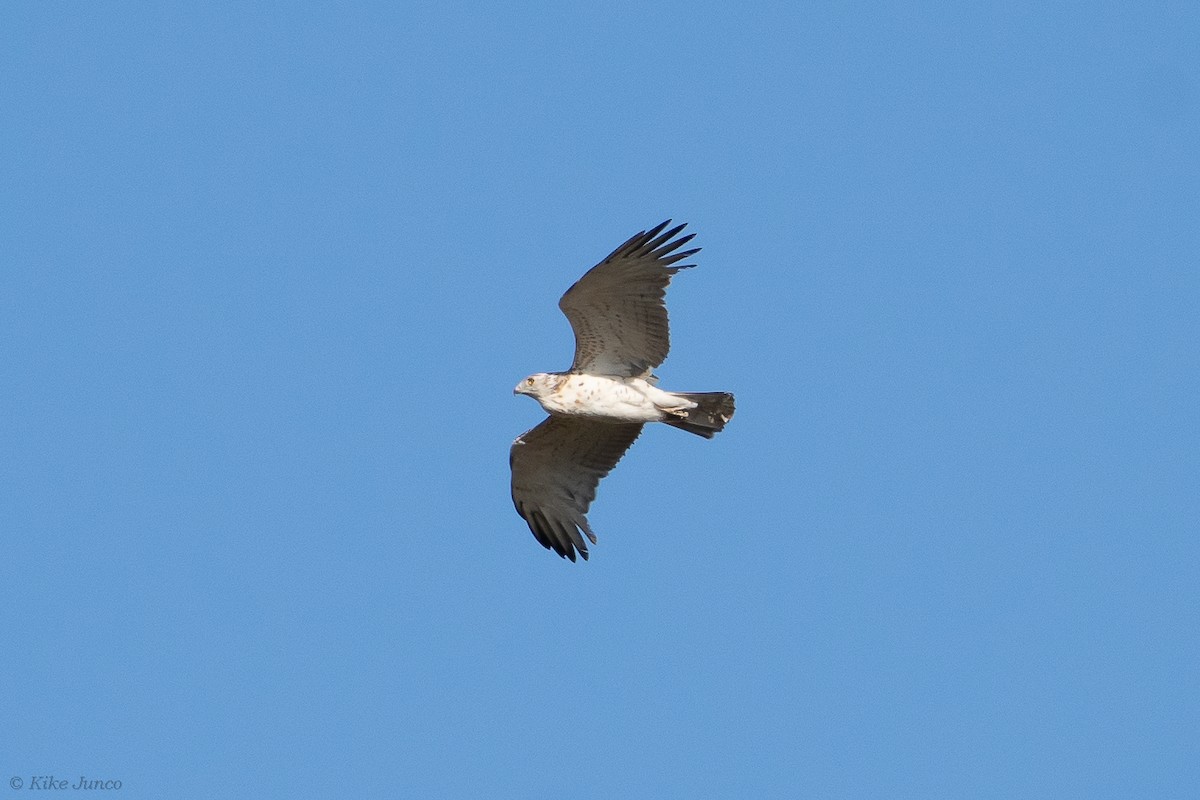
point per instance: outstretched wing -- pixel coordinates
(616, 309)
(555, 470)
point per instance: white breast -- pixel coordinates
(598, 396)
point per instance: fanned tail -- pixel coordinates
(712, 411)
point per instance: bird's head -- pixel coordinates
(534, 385)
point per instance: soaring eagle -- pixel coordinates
(598, 407)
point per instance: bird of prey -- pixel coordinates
(598, 407)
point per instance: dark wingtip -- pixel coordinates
(654, 241)
(569, 553)
(667, 260)
(645, 242)
(650, 234)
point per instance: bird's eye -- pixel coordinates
(529, 381)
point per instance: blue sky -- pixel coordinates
(270, 274)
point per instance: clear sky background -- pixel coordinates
(268, 276)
